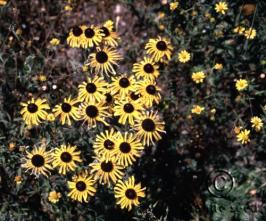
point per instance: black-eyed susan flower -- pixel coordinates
(198, 77)
(74, 38)
(129, 148)
(221, 7)
(159, 48)
(257, 123)
(197, 109)
(38, 161)
(65, 158)
(148, 127)
(146, 69)
(122, 85)
(127, 110)
(134, 96)
(128, 193)
(94, 89)
(105, 143)
(66, 111)
(54, 196)
(150, 92)
(106, 170)
(110, 37)
(250, 33)
(91, 36)
(33, 112)
(183, 56)
(81, 187)
(91, 112)
(243, 136)
(241, 84)
(104, 59)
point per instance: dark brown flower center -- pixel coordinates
(161, 45)
(107, 166)
(81, 186)
(108, 98)
(128, 108)
(89, 33)
(125, 147)
(92, 111)
(66, 157)
(105, 31)
(124, 82)
(32, 108)
(131, 194)
(91, 88)
(151, 89)
(37, 160)
(66, 107)
(101, 57)
(134, 96)
(148, 125)
(148, 68)
(77, 31)
(108, 144)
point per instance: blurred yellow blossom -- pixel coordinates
(237, 129)
(11, 146)
(3, 2)
(241, 84)
(250, 33)
(197, 109)
(183, 56)
(173, 5)
(50, 117)
(239, 30)
(54, 197)
(85, 68)
(68, 8)
(256, 123)
(198, 77)
(221, 7)
(18, 180)
(218, 66)
(42, 77)
(243, 136)
(55, 41)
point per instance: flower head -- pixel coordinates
(197, 109)
(183, 56)
(250, 33)
(221, 7)
(173, 5)
(55, 41)
(218, 66)
(198, 77)
(257, 123)
(54, 196)
(241, 84)
(243, 136)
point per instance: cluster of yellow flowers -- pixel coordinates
(106, 98)
(249, 33)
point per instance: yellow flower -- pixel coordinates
(243, 136)
(42, 77)
(54, 197)
(237, 129)
(256, 123)
(183, 56)
(18, 180)
(55, 41)
(218, 66)
(85, 68)
(197, 109)
(198, 77)
(250, 33)
(241, 84)
(239, 30)
(68, 8)
(50, 117)
(11, 146)
(173, 5)
(221, 7)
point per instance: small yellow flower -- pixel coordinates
(239, 30)
(256, 123)
(218, 66)
(50, 117)
(85, 68)
(68, 8)
(161, 27)
(18, 180)
(161, 15)
(54, 197)
(19, 31)
(55, 41)
(198, 77)
(183, 56)
(197, 109)
(173, 5)
(243, 136)
(250, 33)
(11, 146)
(241, 84)
(42, 77)
(221, 7)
